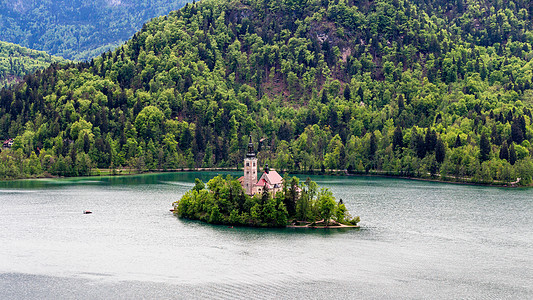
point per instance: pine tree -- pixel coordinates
(397, 138)
(484, 148)
(512, 155)
(324, 98)
(347, 93)
(86, 143)
(361, 94)
(458, 142)
(516, 133)
(373, 146)
(430, 140)
(420, 146)
(401, 103)
(440, 151)
(504, 151)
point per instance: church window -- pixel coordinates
(247, 164)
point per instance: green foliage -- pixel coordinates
(75, 29)
(313, 205)
(225, 202)
(198, 185)
(326, 205)
(410, 88)
(16, 62)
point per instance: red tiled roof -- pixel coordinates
(261, 182)
(272, 177)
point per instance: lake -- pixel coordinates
(417, 240)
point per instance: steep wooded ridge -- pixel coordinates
(17, 61)
(75, 29)
(412, 88)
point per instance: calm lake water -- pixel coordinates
(417, 240)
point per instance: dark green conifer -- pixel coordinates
(373, 146)
(516, 133)
(397, 138)
(512, 154)
(458, 142)
(504, 151)
(440, 151)
(484, 148)
(347, 93)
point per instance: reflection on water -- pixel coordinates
(417, 240)
(139, 179)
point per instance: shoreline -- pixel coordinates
(323, 227)
(342, 173)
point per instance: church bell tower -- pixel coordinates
(250, 169)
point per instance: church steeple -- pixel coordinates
(251, 152)
(250, 169)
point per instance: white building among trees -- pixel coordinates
(270, 179)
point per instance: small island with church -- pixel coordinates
(271, 201)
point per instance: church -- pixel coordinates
(270, 179)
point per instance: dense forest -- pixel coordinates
(225, 202)
(413, 88)
(74, 29)
(17, 61)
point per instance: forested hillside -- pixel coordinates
(17, 61)
(75, 29)
(413, 88)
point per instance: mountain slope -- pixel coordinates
(17, 61)
(396, 87)
(75, 29)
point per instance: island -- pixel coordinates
(271, 201)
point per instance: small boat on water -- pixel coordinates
(86, 212)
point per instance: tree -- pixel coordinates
(516, 133)
(440, 151)
(148, 122)
(86, 143)
(512, 155)
(504, 151)
(347, 93)
(265, 195)
(397, 138)
(420, 145)
(291, 194)
(326, 204)
(281, 216)
(373, 146)
(215, 217)
(324, 98)
(484, 148)
(430, 140)
(401, 103)
(340, 212)
(458, 142)
(198, 185)
(186, 89)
